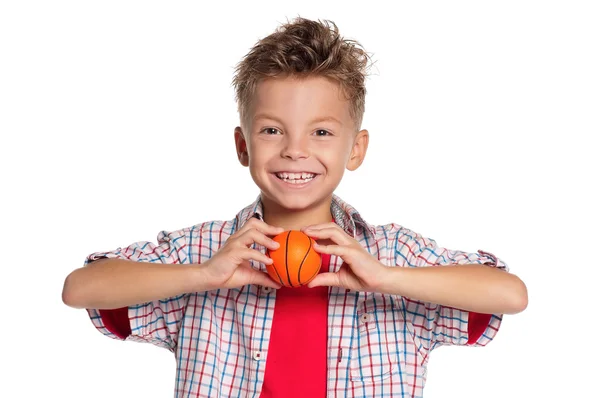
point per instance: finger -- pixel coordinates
(340, 251)
(255, 236)
(266, 229)
(336, 235)
(252, 254)
(260, 278)
(320, 226)
(325, 279)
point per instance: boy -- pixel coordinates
(386, 296)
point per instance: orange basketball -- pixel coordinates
(295, 262)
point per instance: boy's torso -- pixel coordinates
(225, 333)
(378, 344)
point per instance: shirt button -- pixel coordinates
(364, 318)
(267, 289)
(258, 356)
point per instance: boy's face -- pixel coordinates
(295, 156)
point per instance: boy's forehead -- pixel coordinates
(313, 99)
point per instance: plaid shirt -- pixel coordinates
(378, 344)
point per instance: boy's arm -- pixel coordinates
(471, 287)
(111, 283)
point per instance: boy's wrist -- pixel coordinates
(391, 283)
(200, 279)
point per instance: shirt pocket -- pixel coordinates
(373, 358)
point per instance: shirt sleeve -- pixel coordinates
(436, 324)
(156, 322)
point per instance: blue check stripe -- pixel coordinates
(220, 338)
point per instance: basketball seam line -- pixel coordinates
(306, 255)
(277, 272)
(275, 268)
(287, 239)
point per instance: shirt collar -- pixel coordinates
(344, 215)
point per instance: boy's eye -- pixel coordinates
(322, 133)
(274, 131)
(270, 131)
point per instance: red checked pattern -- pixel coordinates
(378, 344)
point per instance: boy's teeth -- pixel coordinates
(293, 177)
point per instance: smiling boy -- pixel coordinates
(385, 298)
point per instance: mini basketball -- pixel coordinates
(295, 262)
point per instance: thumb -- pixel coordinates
(325, 279)
(263, 279)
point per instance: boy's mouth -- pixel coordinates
(295, 178)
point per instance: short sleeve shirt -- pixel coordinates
(378, 344)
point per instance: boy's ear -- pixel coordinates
(359, 150)
(240, 146)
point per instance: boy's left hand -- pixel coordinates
(360, 271)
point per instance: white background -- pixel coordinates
(117, 122)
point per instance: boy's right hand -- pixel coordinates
(230, 266)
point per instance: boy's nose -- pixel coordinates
(295, 148)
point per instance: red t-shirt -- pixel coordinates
(297, 354)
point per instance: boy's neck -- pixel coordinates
(278, 216)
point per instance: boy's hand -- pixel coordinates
(360, 270)
(230, 266)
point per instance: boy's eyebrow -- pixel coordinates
(317, 120)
